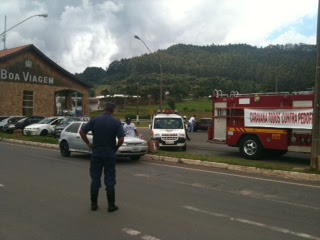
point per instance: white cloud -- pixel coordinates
(78, 34)
(259, 19)
(292, 36)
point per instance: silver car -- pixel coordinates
(44, 127)
(70, 141)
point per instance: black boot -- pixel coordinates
(94, 201)
(111, 199)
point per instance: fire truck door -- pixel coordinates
(220, 121)
(300, 139)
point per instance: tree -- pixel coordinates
(92, 93)
(198, 70)
(104, 92)
(171, 103)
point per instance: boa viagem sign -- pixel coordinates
(279, 118)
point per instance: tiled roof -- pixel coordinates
(6, 52)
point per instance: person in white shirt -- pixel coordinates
(129, 128)
(192, 122)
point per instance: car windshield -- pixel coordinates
(71, 119)
(22, 120)
(168, 123)
(5, 119)
(13, 119)
(46, 120)
(2, 118)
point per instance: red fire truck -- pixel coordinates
(258, 123)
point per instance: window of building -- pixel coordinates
(27, 106)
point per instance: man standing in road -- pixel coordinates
(129, 128)
(105, 129)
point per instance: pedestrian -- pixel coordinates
(130, 128)
(192, 122)
(105, 129)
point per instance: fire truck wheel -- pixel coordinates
(250, 147)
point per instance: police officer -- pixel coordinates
(104, 129)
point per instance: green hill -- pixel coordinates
(189, 70)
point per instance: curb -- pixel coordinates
(266, 172)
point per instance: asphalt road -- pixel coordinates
(200, 145)
(46, 196)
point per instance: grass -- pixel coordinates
(239, 162)
(224, 160)
(39, 139)
(202, 108)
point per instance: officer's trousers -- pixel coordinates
(103, 158)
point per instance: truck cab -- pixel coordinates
(169, 130)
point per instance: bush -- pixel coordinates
(131, 115)
(144, 116)
(171, 103)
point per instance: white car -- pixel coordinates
(70, 141)
(44, 127)
(11, 119)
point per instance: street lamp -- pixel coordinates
(135, 36)
(5, 31)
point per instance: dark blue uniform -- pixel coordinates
(105, 129)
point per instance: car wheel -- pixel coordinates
(44, 133)
(250, 147)
(64, 149)
(184, 148)
(135, 158)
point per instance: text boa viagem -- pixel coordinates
(25, 77)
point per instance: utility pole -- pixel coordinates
(315, 148)
(138, 103)
(160, 87)
(5, 29)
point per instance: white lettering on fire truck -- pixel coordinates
(280, 118)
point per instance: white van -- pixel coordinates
(169, 130)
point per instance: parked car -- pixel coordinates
(44, 127)
(203, 124)
(11, 119)
(21, 124)
(58, 129)
(70, 141)
(3, 117)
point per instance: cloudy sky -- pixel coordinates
(85, 33)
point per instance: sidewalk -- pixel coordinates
(266, 172)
